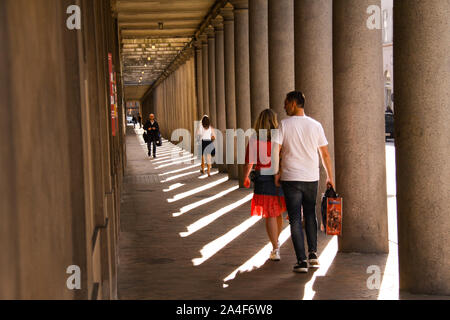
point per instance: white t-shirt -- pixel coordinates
(204, 134)
(300, 138)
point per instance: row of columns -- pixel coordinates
(174, 100)
(325, 49)
(281, 45)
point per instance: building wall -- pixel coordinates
(60, 198)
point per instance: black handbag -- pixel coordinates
(145, 136)
(254, 175)
(159, 141)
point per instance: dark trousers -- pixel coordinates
(297, 195)
(151, 140)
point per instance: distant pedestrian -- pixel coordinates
(139, 119)
(134, 122)
(301, 139)
(268, 199)
(153, 135)
(205, 134)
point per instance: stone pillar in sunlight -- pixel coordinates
(281, 53)
(212, 74)
(229, 62)
(422, 131)
(259, 57)
(314, 69)
(242, 67)
(199, 77)
(359, 128)
(204, 38)
(220, 83)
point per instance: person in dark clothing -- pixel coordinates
(152, 129)
(134, 122)
(139, 119)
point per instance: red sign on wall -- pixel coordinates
(113, 95)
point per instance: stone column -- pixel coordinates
(422, 100)
(230, 94)
(199, 78)
(194, 116)
(359, 127)
(314, 68)
(242, 67)
(259, 57)
(212, 74)
(220, 83)
(204, 39)
(281, 53)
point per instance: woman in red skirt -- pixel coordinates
(268, 200)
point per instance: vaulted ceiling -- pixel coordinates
(153, 33)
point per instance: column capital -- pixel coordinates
(189, 52)
(210, 32)
(179, 61)
(197, 44)
(217, 23)
(239, 4)
(227, 13)
(203, 38)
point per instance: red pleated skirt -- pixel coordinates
(267, 206)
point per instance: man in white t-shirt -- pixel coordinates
(301, 139)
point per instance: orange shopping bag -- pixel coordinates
(334, 216)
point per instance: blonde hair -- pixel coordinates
(267, 120)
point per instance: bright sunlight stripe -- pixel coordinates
(203, 201)
(203, 222)
(215, 246)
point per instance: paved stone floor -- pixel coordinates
(186, 236)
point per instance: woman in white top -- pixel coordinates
(205, 133)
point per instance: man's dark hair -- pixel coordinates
(206, 122)
(296, 96)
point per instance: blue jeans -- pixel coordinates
(299, 194)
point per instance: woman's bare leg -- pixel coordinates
(209, 165)
(280, 224)
(272, 231)
(203, 164)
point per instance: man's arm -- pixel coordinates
(278, 175)
(326, 162)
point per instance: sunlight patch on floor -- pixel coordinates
(181, 175)
(174, 186)
(205, 176)
(179, 170)
(389, 289)
(203, 222)
(197, 190)
(186, 161)
(197, 204)
(259, 258)
(215, 246)
(325, 260)
(170, 159)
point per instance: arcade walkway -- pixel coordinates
(185, 236)
(78, 192)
